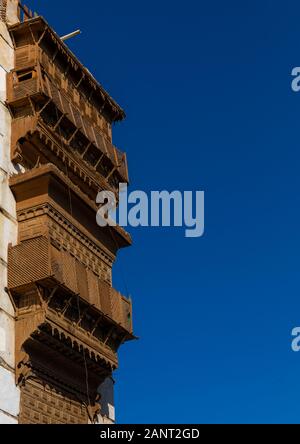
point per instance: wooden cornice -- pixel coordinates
(46, 31)
(19, 181)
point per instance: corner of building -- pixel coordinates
(9, 393)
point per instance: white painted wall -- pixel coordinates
(12, 12)
(6, 419)
(9, 393)
(9, 397)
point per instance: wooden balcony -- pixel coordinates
(32, 92)
(34, 31)
(62, 245)
(31, 58)
(38, 261)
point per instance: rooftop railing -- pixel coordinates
(24, 13)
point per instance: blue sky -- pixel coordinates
(206, 88)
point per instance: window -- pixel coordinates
(26, 75)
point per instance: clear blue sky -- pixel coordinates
(206, 88)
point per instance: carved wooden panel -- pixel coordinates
(33, 82)
(23, 88)
(3, 5)
(42, 405)
(35, 254)
(36, 260)
(25, 56)
(44, 220)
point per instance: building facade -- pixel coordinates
(61, 321)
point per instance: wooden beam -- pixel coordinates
(13, 40)
(58, 122)
(82, 316)
(67, 70)
(63, 312)
(44, 106)
(52, 294)
(98, 161)
(55, 55)
(26, 12)
(31, 104)
(74, 134)
(79, 83)
(115, 168)
(96, 325)
(42, 36)
(40, 294)
(108, 335)
(32, 35)
(10, 110)
(86, 150)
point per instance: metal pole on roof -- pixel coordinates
(69, 36)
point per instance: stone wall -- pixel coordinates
(9, 393)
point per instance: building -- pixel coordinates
(61, 321)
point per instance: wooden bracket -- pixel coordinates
(67, 305)
(108, 335)
(59, 121)
(98, 161)
(74, 134)
(44, 106)
(96, 325)
(82, 315)
(79, 83)
(52, 295)
(86, 149)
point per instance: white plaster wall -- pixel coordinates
(6, 419)
(7, 340)
(11, 12)
(9, 393)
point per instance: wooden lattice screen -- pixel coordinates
(43, 405)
